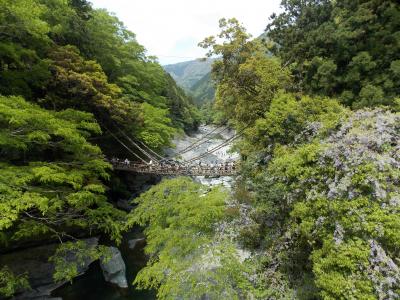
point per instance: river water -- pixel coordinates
(91, 285)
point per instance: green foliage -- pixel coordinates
(211, 115)
(67, 71)
(334, 194)
(81, 84)
(21, 19)
(340, 270)
(322, 180)
(23, 38)
(10, 283)
(289, 117)
(64, 189)
(182, 111)
(345, 49)
(140, 78)
(245, 76)
(70, 257)
(156, 128)
(69, 179)
(186, 259)
(22, 72)
(203, 91)
(65, 54)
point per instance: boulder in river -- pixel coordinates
(35, 262)
(133, 243)
(114, 269)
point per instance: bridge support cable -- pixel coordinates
(212, 150)
(196, 143)
(126, 147)
(226, 142)
(151, 150)
(130, 140)
(138, 147)
(135, 144)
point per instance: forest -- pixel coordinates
(315, 211)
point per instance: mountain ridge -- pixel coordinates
(194, 77)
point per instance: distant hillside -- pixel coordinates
(203, 90)
(187, 73)
(195, 78)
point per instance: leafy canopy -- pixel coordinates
(245, 76)
(346, 49)
(187, 260)
(53, 194)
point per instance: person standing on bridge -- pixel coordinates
(127, 162)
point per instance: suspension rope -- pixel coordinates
(135, 144)
(195, 144)
(210, 151)
(129, 139)
(122, 143)
(151, 150)
(226, 142)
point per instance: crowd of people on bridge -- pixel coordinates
(175, 166)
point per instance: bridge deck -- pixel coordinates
(176, 170)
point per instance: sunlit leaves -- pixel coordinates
(345, 49)
(245, 76)
(186, 258)
(62, 189)
(156, 128)
(71, 257)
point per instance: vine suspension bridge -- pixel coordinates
(154, 163)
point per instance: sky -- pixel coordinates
(171, 29)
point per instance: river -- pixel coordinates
(91, 285)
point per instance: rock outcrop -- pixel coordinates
(35, 262)
(114, 269)
(135, 242)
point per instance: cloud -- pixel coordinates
(172, 29)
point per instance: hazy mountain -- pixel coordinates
(195, 78)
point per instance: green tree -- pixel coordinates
(186, 259)
(11, 283)
(155, 128)
(81, 84)
(245, 76)
(21, 20)
(345, 49)
(182, 111)
(52, 178)
(324, 187)
(23, 38)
